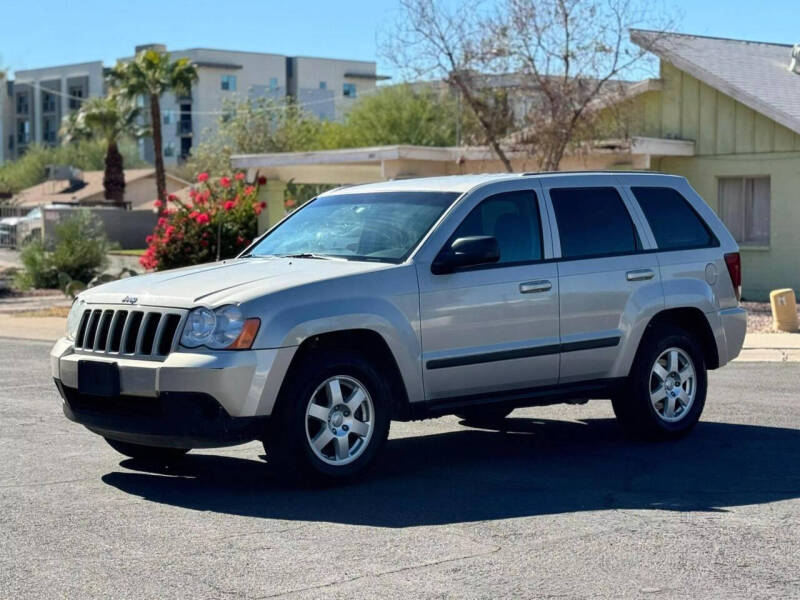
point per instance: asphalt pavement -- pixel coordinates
(558, 505)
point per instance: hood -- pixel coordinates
(229, 281)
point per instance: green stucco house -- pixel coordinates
(739, 102)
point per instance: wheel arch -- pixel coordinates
(366, 341)
(693, 321)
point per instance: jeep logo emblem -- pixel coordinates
(129, 300)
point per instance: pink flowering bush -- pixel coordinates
(219, 221)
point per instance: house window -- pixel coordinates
(169, 149)
(273, 84)
(744, 207)
(167, 117)
(228, 83)
(349, 90)
(323, 85)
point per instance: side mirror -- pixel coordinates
(466, 252)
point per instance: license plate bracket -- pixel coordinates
(98, 378)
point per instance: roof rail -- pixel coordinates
(598, 171)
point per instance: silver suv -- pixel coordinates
(466, 295)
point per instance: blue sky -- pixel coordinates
(53, 32)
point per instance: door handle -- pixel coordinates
(640, 275)
(533, 287)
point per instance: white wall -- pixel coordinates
(310, 71)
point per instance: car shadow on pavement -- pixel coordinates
(531, 467)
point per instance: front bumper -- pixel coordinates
(200, 396)
(172, 419)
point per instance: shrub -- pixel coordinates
(78, 252)
(219, 221)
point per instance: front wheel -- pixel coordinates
(149, 453)
(332, 420)
(666, 389)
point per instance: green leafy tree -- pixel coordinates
(399, 114)
(151, 74)
(107, 119)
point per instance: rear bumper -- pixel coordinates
(733, 326)
(171, 419)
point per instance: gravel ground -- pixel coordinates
(558, 504)
(759, 317)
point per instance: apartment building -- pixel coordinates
(37, 99)
(32, 106)
(324, 87)
(6, 134)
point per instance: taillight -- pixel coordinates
(734, 264)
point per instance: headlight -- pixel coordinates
(74, 318)
(199, 327)
(222, 328)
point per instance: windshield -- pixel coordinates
(383, 226)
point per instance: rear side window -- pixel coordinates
(593, 222)
(513, 219)
(673, 221)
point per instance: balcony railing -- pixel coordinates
(183, 127)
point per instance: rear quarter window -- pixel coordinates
(675, 224)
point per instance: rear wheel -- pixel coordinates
(149, 453)
(665, 392)
(332, 419)
(484, 415)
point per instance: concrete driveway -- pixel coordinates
(558, 505)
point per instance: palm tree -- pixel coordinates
(109, 119)
(151, 74)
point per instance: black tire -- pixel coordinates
(148, 453)
(287, 442)
(484, 415)
(632, 404)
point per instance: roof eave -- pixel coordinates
(717, 82)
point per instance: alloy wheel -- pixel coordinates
(673, 385)
(340, 420)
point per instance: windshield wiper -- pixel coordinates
(306, 255)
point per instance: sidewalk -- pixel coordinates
(771, 347)
(758, 347)
(31, 328)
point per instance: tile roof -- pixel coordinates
(754, 73)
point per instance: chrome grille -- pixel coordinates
(136, 332)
